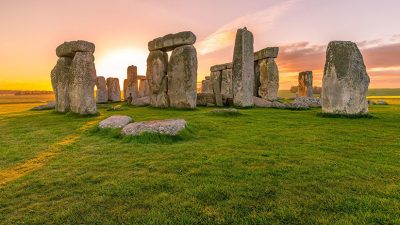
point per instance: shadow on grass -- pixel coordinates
(145, 138)
(355, 116)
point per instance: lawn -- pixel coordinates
(265, 166)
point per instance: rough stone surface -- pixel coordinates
(297, 106)
(305, 84)
(310, 101)
(114, 91)
(263, 103)
(131, 90)
(216, 87)
(165, 127)
(143, 101)
(221, 67)
(157, 65)
(226, 84)
(345, 81)
(269, 79)
(182, 77)
(68, 49)
(116, 121)
(48, 106)
(61, 80)
(243, 69)
(83, 79)
(257, 82)
(101, 92)
(204, 99)
(270, 52)
(171, 41)
(144, 90)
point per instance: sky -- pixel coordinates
(121, 29)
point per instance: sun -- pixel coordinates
(115, 62)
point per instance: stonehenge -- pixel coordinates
(172, 83)
(74, 77)
(266, 73)
(113, 89)
(345, 81)
(101, 92)
(305, 88)
(131, 89)
(143, 87)
(243, 69)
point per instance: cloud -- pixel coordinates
(255, 22)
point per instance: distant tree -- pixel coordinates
(294, 89)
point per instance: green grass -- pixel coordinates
(266, 166)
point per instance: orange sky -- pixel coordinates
(31, 30)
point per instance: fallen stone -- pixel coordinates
(310, 101)
(164, 127)
(156, 74)
(381, 102)
(48, 106)
(68, 49)
(171, 41)
(243, 69)
(345, 81)
(116, 121)
(230, 110)
(182, 77)
(297, 106)
(270, 52)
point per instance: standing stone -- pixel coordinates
(269, 79)
(101, 93)
(157, 65)
(345, 81)
(182, 77)
(132, 89)
(144, 88)
(226, 84)
(125, 90)
(216, 85)
(243, 69)
(305, 84)
(257, 82)
(114, 91)
(61, 80)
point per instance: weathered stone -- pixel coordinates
(144, 90)
(297, 106)
(143, 101)
(125, 91)
(61, 80)
(83, 80)
(305, 84)
(157, 64)
(101, 92)
(164, 127)
(257, 82)
(68, 49)
(204, 99)
(345, 81)
(270, 52)
(114, 90)
(229, 65)
(208, 78)
(269, 79)
(310, 101)
(226, 84)
(216, 87)
(381, 102)
(243, 69)
(182, 77)
(263, 103)
(115, 122)
(221, 67)
(48, 106)
(132, 87)
(141, 77)
(171, 41)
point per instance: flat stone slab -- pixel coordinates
(167, 127)
(270, 52)
(68, 49)
(48, 106)
(171, 41)
(230, 110)
(263, 103)
(116, 121)
(221, 67)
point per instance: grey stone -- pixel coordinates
(114, 90)
(381, 102)
(171, 41)
(116, 121)
(131, 90)
(61, 80)
(305, 84)
(48, 106)
(270, 52)
(257, 82)
(182, 77)
(68, 49)
(230, 110)
(143, 101)
(157, 65)
(144, 90)
(345, 81)
(216, 87)
(164, 127)
(83, 79)
(263, 103)
(269, 79)
(243, 69)
(101, 92)
(226, 83)
(310, 101)
(221, 67)
(297, 106)
(204, 99)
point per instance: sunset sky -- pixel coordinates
(120, 29)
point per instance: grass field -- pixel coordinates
(265, 166)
